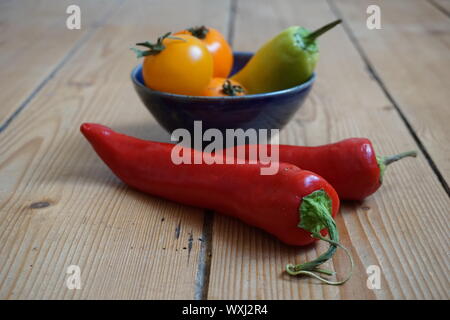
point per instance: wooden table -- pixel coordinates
(61, 206)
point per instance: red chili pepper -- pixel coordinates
(294, 205)
(350, 165)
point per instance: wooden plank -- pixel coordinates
(403, 228)
(60, 205)
(416, 74)
(35, 42)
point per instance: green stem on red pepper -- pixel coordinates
(315, 215)
(383, 162)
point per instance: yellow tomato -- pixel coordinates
(217, 45)
(181, 65)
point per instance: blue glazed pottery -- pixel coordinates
(271, 110)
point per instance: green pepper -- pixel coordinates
(285, 61)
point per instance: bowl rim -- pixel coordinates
(294, 89)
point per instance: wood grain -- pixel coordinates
(417, 37)
(403, 228)
(60, 205)
(35, 42)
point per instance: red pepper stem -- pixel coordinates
(315, 215)
(347, 252)
(315, 34)
(383, 162)
(310, 268)
(389, 159)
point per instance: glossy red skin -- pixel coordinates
(350, 165)
(269, 202)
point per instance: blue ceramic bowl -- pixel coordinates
(271, 110)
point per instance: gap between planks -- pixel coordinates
(204, 261)
(389, 96)
(204, 264)
(440, 7)
(72, 51)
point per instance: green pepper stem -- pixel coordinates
(315, 214)
(315, 34)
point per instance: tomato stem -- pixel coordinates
(199, 32)
(315, 215)
(230, 89)
(154, 48)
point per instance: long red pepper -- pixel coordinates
(350, 165)
(294, 205)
